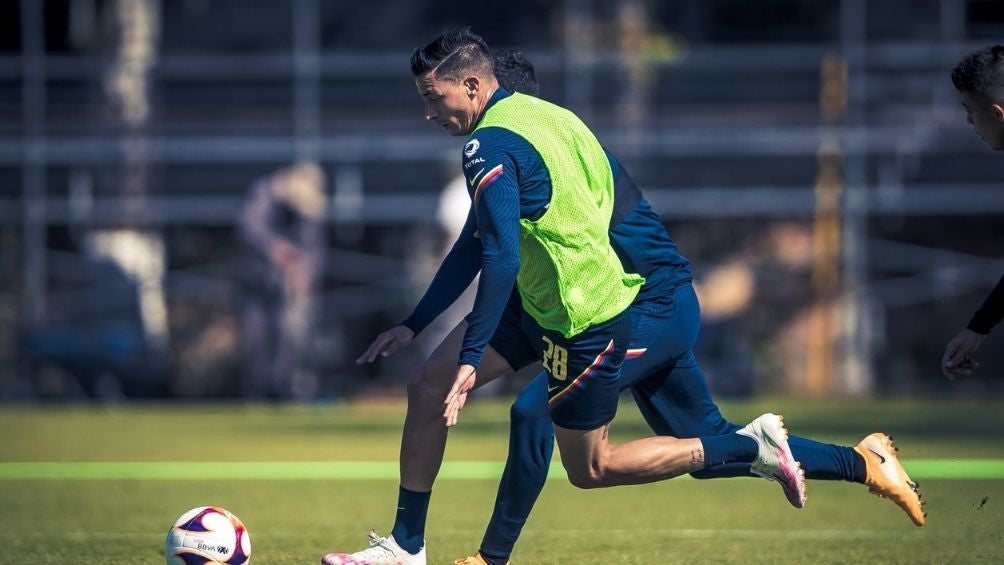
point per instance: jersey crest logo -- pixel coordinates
(471, 148)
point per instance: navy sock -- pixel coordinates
(860, 467)
(728, 448)
(824, 461)
(409, 525)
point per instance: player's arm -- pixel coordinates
(991, 312)
(498, 210)
(498, 223)
(957, 360)
(455, 274)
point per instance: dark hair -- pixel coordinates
(982, 73)
(515, 72)
(453, 53)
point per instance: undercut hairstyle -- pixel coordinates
(982, 74)
(455, 53)
(515, 72)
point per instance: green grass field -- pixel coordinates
(99, 485)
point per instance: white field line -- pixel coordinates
(676, 533)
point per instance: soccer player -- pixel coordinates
(666, 381)
(644, 246)
(979, 79)
(542, 197)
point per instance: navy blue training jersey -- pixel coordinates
(507, 180)
(991, 312)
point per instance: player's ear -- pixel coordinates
(472, 84)
(998, 111)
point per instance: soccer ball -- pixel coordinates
(208, 535)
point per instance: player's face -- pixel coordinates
(450, 104)
(986, 118)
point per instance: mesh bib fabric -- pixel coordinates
(570, 278)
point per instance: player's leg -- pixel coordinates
(531, 439)
(592, 462)
(872, 462)
(673, 395)
(663, 402)
(423, 440)
(675, 400)
(583, 395)
(531, 434)
(664, 375)
(583, 390)
(531, 445)
(423, 443)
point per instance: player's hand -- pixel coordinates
(957, 360)
(462, 384)
(386, 344)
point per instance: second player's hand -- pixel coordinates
(462, 384)
(957, 360)
(386, 344)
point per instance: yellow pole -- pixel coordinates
(821, 339)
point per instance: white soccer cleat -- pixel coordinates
(382, 551)
(774, 460)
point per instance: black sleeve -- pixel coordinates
(990, 314)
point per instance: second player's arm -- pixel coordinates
(454, 275)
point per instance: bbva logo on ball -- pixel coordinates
(208, 535)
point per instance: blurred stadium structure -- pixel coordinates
(809, 156)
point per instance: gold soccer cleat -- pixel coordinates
(476, 559)
(886, 478)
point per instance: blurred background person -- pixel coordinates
(281, 226)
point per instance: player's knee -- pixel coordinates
(423, 389)
(587, 477)
(527, 409)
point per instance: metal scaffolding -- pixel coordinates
(680, 130)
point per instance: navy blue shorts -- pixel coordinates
(509, 341)
(582, 371)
